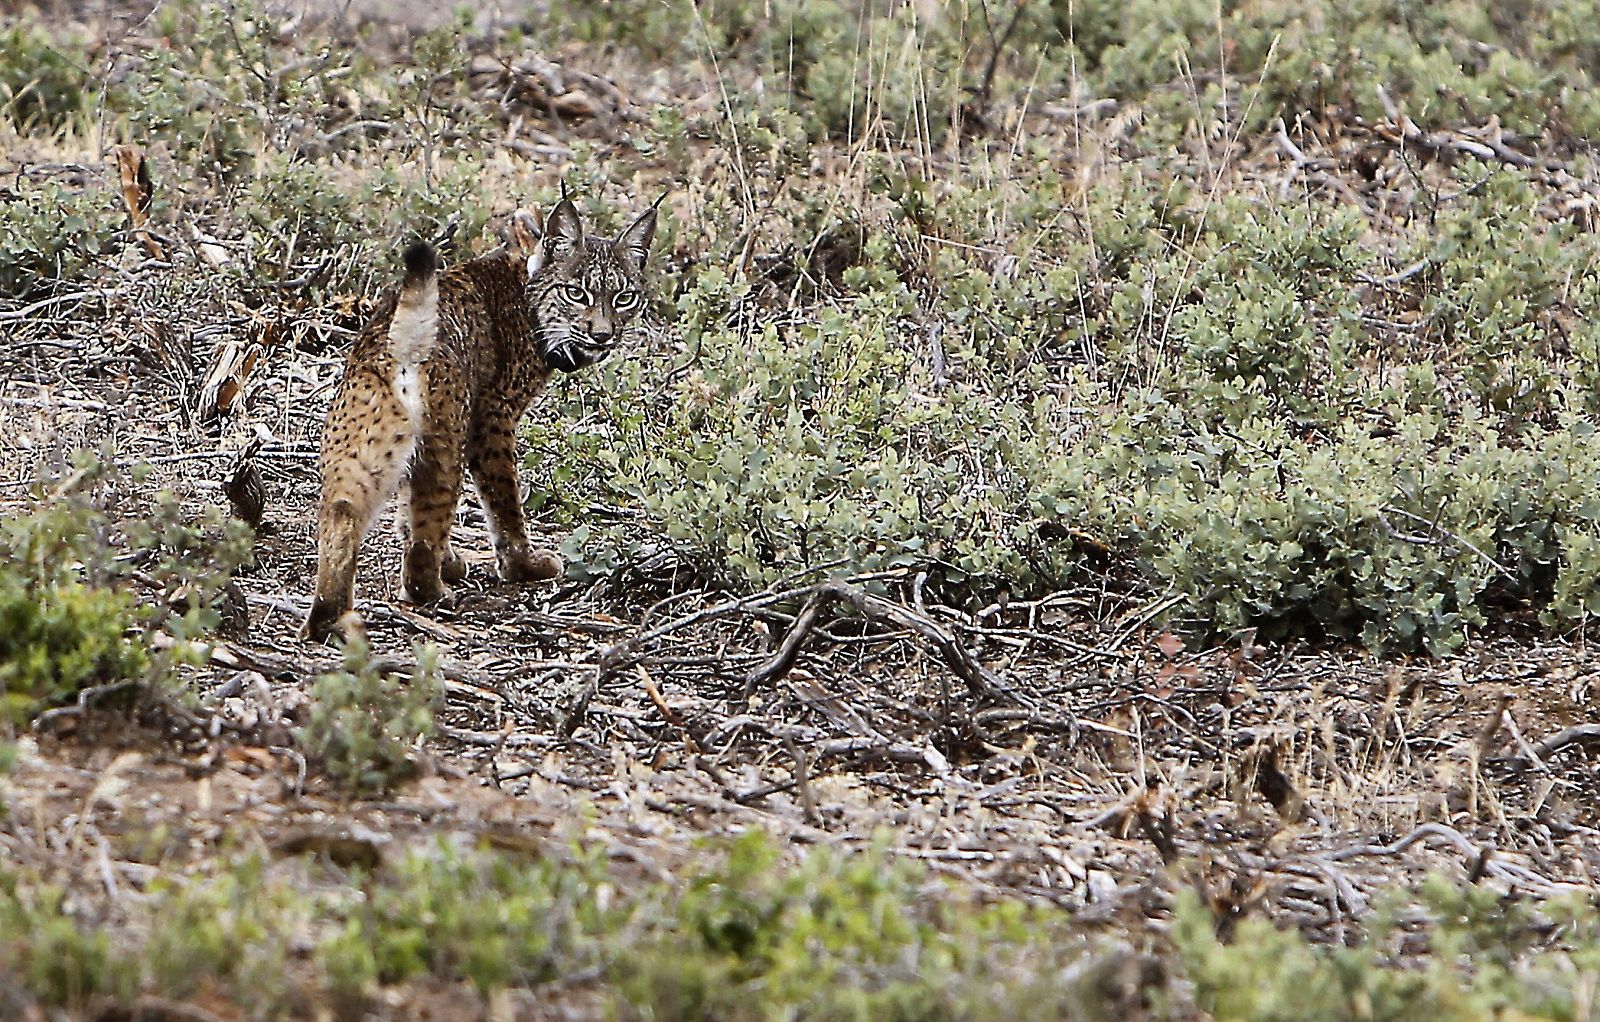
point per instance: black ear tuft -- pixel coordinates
(421, 261)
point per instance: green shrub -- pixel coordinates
(493, 920)
(743, 934)
(365, 724)
(1483, 964)
(1219, 390)
(57, 957)
(850, 937)
(44, 81)
(58, 634)
(81, 593)
(51, 234)
(1445, 63)
(305, 223)
(818, 444)
(235, 931)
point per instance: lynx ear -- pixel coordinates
(527, 230)
(563, 234)
(527, 227)
(633, 244)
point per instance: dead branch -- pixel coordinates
(1297, 157)
(802, 780)
(1578, 734)
(668, 714)
(1430, 540)
(86, 697)
(619, 655)
(1498, 868)
(981, 681)
(1441, 144)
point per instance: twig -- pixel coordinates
(1529, 753)
(1401, 276)
(802, 780)
(1297, 157)
(45, 303)
(616, 656)
(1144, 617)
(85, 697)
(1439, 143)
(789, 650)
(667, 712)
(1434, 526)
(986, 86)
(980, 680)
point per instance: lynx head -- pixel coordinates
(583, 292)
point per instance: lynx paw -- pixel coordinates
(326, 626)
(538, 566)
(424, 575)
(453, 568)
(427, 591)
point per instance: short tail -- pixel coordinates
(414, 329)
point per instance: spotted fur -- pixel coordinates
(435, 385)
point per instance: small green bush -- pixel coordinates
(745, 935)
(304, 223)
(740, 936)
(44, 80)
(60, 959)
(849, 937)
(58, 634)
(234, 931)
(1483, 965)
(1464, 60)
(71, 576)
(1218, 390)
(51, 234)
(493, 920)
(364, 724)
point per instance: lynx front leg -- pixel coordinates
(494, 469)
(341, 525)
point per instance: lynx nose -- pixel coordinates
(599, 326)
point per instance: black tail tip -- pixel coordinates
(420, 259)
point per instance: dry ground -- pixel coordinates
(1304, 781)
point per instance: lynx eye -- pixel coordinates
(626, 301)
(575, 294)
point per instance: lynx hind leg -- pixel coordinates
(369, 439)
(452, 566)
(370, 434)
(494, 471)
(435, 491)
